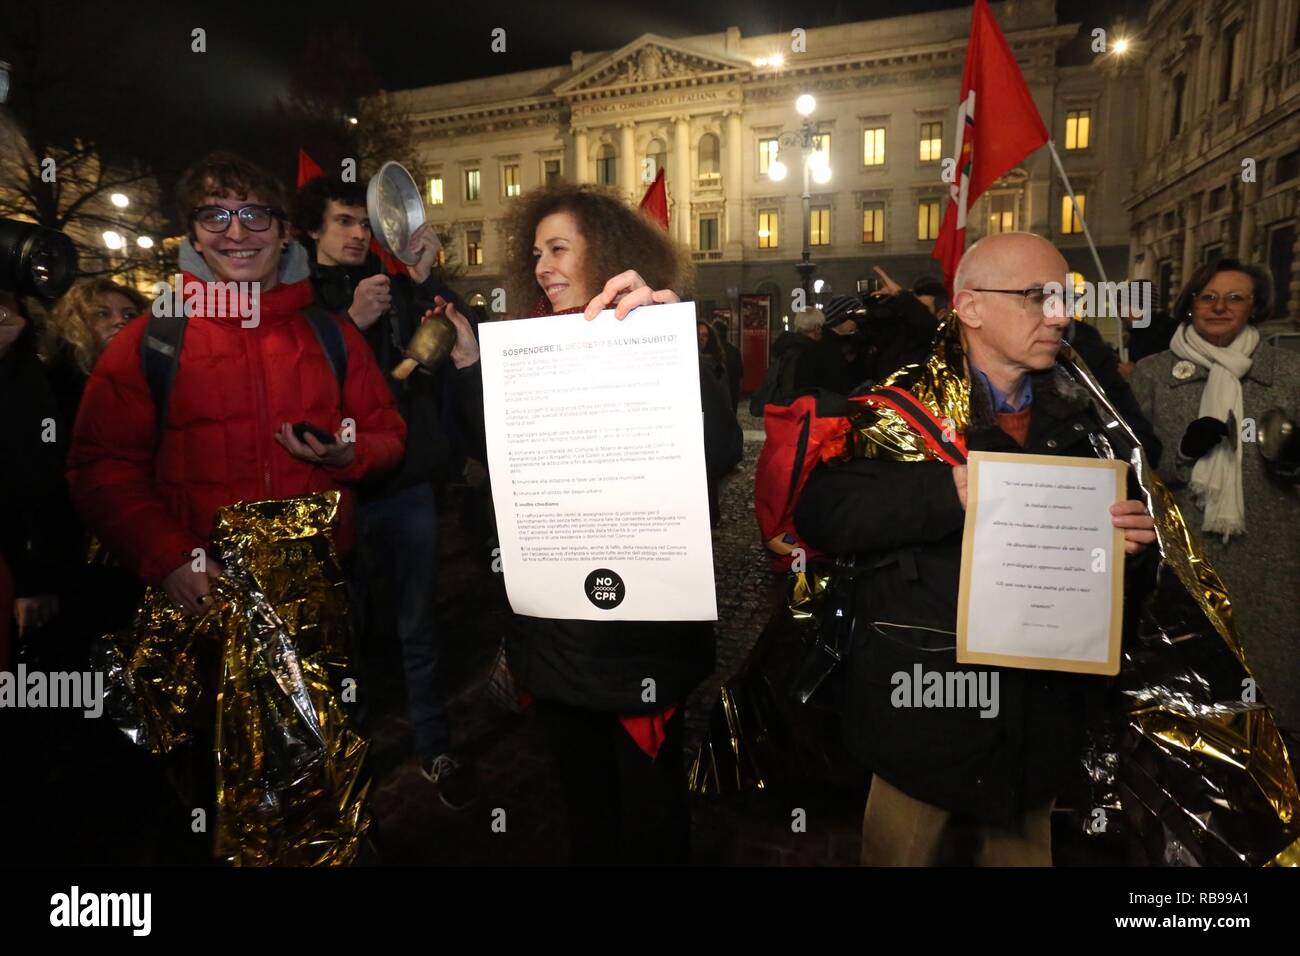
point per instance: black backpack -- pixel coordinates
(778, 387)
(160, 352)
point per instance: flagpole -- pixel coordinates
(1101, 270)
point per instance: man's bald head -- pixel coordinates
(999, 259)
(1005, 331)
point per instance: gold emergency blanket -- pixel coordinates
(1191, 765)
(259, 675)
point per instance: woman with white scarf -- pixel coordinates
(1205, 397)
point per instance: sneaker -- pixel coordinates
(457, 786)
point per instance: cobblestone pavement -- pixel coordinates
(508, 751)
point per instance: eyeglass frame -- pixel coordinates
(1024, 295)
(1246, 298)
(231, 214)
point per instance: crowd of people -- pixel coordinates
(154, 431)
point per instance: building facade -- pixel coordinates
(710, 111)
(1220, 167)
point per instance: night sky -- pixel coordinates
(411, 44)
(130, 81)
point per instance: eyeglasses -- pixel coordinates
(1210, 299)
(1035, 298)
(253, 218)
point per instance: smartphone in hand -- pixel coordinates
(302, 429)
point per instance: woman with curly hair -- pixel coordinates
(579, 248)
(82, 324)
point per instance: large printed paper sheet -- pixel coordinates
(596, 449)
(1042, 569)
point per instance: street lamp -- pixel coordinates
(816, 167)
(113, 240)
(119, 200)
(144, 242)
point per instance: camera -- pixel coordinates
(35, 260)
(874, 305)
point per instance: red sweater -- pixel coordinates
(1016, 424)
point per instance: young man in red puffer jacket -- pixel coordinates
(149, 484)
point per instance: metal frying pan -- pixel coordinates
(396, 209)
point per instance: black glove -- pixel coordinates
(1201, 437)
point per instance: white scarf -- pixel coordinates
(1216, 477)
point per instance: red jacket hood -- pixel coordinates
(225, 301)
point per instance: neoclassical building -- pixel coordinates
(1220, 123)
(710, 110)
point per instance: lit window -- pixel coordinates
(472, 178)
(821, 143)
(873, 222)
(510, 179)
(1078, 127)
(1002, 213)
(708, 233)
(821, 227)
(473, 247)
(1070, 222)
(435, 190)
(769, 232)
(873, 146)
(931, 142)
(767, 153)
(927, 219)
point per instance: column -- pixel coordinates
(733, 187)
(1191, 219)
(580, 156)
(629, 168)
(1038, 206)
(1246, 235)
(682, 180)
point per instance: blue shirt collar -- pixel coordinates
(1002, 404)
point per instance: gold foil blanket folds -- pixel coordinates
(259, 675)
(1190, 760)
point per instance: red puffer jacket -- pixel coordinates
(152, 503)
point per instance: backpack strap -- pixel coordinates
(160, 355)
(922, 420)
(330, 336)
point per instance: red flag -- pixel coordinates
(655, 201)
(309, 170)
(997, 126)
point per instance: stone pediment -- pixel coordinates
(650, 62)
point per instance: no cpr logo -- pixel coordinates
(604, 589)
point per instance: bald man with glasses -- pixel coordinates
(997, 769)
